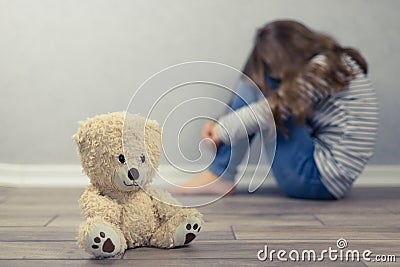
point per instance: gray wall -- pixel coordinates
(62, 61)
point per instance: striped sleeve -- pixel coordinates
(345, 129)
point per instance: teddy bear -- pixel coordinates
(120, 152)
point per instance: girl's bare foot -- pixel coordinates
(205, 183)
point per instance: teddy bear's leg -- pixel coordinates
(101, 238)
(179, 230)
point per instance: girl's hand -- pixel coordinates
(210, 131)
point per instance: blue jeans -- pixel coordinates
(293, 167)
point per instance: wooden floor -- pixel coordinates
(38, 228)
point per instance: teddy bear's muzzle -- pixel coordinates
(127, 179)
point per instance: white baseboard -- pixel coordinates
(26, 175)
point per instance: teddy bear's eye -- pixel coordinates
(121, 158)
(142, 158)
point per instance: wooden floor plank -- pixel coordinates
(393, 207)
(13, 234)
(36, 210)
(41, 250)
(216, 235)
(288, 206)
(67, 221)
(42, 195)
(25, 220)
(360, 220)
(314, 233)
(265, 219)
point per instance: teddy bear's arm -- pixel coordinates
(93, 204)
(165, 205)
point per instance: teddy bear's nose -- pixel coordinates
(133, 174)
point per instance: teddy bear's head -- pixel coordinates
(119, 152)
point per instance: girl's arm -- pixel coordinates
(245, 121)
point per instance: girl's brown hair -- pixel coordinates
(283, 50)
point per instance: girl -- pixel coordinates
(324, 107)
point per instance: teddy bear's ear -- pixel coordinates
(153, 139)
(152, 124)
(77, 137)
(154, 130)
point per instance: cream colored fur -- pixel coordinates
(130, 216)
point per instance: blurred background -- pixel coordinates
(63, 61)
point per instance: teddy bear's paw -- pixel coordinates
(103, 242)
(187, 231)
